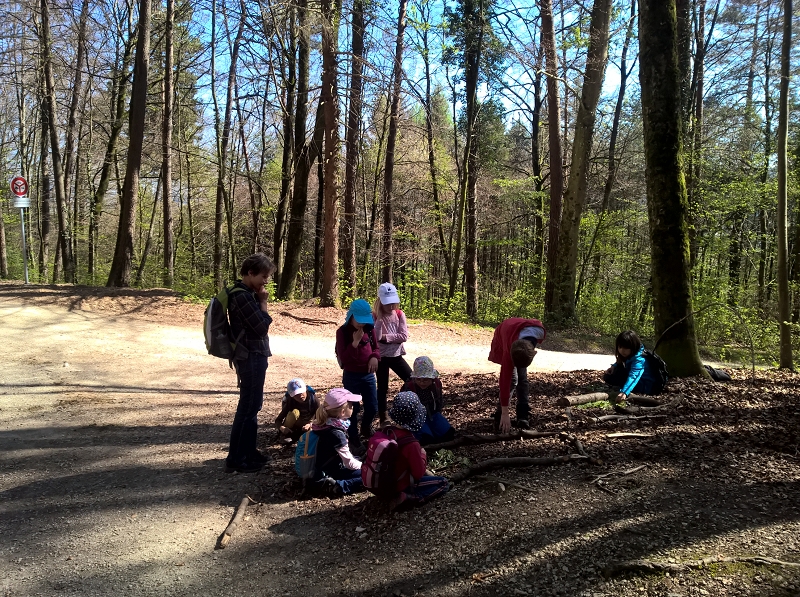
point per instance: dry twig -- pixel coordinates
(494, 463)
(225, 538)
(475, 439)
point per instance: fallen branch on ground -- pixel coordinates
(583, 399)
(644, 400)
(225, 538)
(651, 567)
(606, 418)
(495, 463)
(475, 439)
(599, 479)
(307, 320)
(630, 435)
(490, 480)
(646, 410)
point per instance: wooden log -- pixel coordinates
(517, 461)
(237, 518)
(583, 399)
(651, 567)
(605, 418)
(646, 410)
(630, 435)
(644, 400)
(481, 438)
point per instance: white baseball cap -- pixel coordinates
(295, 387)
(387, 293)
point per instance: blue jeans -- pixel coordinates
(363, 384)
(436, 428)
(244, 432)
(348, 480)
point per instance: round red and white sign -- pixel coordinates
(19, 186)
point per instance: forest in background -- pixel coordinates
(487, 157)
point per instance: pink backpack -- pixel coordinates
(378, 470)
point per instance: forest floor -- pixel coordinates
(114, 425)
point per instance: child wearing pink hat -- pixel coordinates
(337, 471)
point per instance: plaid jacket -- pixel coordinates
(244, 311)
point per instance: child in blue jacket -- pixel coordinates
(631, 373)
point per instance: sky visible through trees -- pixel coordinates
(471, 208)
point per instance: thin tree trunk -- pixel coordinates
(659, 76)
(577, 187)
(319, 227)
(784, 299)
(612, 147)
(556, 168)
(166, 148)
(329, 96)
(58, 172)
(387, 253)
(44, 195)
(149, 238)
(120, 273)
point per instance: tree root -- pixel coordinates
(476, 439)
(307, 320)
(517, 461)
(650, 567)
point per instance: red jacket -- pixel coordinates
(504, 336)
(411, 461)
(355, 360)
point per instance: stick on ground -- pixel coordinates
(475, 439)
(650, 567)
(225, 538)
(494, 463)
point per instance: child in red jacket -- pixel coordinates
(414, 485)
(358, 355)
(513, 348)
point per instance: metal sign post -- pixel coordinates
(19, 188)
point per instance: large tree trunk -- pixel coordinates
(352, 143)
(784, 301)
(556, 168)
(166, 148)
(659, 75)
(64, 239)
(294, 87)
(387, 253)
(575, 198)
(118, 94)
(330, 99)
(44, 194)
(120, 274)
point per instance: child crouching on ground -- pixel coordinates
(414, 485)
(425, 383)
(336, 470)
(631, 373)
(298, 408)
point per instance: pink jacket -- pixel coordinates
(390, 332)
(504, 336)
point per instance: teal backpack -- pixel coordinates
(305, 455)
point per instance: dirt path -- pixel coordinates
(113, 427)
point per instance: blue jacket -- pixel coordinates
(638, 371)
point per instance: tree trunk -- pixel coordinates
(612, 148)
(387, 253)
(118, 95)
(659, 75)
(297, 217)
(294, 87)
(577, 187)
(120, 274)
(166, 148)
(353, 144)
(556, 168)
(64, 238)
(330, 99)
(148, 239)
(784, 299)
(44, 194)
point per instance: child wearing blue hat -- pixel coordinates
(358, 356)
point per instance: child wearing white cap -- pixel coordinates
(298, 407)
(391, 331)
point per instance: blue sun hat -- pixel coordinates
(407, 411)
(360, 311)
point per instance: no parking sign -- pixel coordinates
(19, 189)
